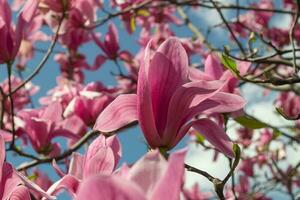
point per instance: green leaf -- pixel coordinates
(250, 122)
(200, 138)
(276, 134)
(143, 12)
(33, 177)
(132, 24)
(237, 153)
(230, 64)
(252, 37)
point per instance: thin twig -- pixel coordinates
(11, 99)
(291, 36)
(193, 28)
(67, 153)
(2, 107)
(229, 28)
(45, 58)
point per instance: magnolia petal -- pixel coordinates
(226, 103)
(28, 10)
(76, 165)
(215, 135)
(99, 61)
(112, 41)
(181, 133)
(9, 182)
(114, 143)
(243, 67)
(185, 101)
(168, 70)
(5, 23)
(170, 184)
(53, 112)
(147, 171)
(64, 133)
(113, 32)
(98, 41)
(100, 157)
(87, 9)
(24, 20)
(20, 193)
(5, 12)
(38, 132)
(175, 52)
(101, 163)
(103, 142)
(213, 67)
(207, 106)
(68, 182)
(119, 113)
(109, 188)
(163, 81)
(144, 103)
(95, 146)
(75, 125)
(33, 186)
(197, 75)
(57, 169)
(7, 136)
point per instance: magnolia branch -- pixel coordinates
(64, 155)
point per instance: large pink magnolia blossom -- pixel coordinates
(151, 178)
(12, 37)
(101, 157)
(166, 103)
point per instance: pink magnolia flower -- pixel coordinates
(89, 103)
(289, 102)
(166, 103)
(21, 97)
(247, 166)
(64, 92)
(245, 136)
(6, 136)
(13, 185)
(110, 46)
(266, 136)
(151, 178)
(101, 157)
(32, 36)
(42, 125)
(12, 37)
(278, 36)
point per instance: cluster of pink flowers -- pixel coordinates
(158, 88)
